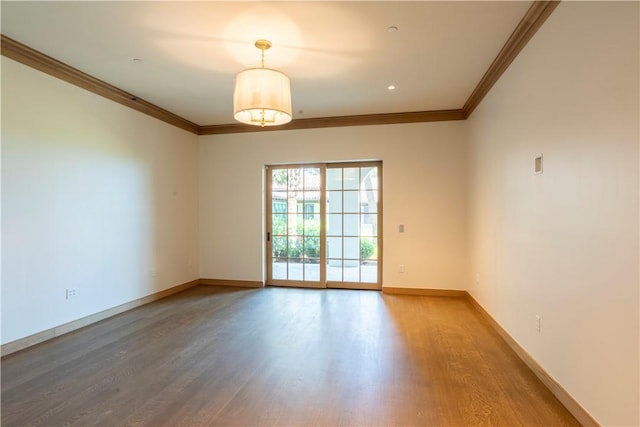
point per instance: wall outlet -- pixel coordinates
(401, 268)
(71, 293)
(538, 320)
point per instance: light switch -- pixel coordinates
(401, 228)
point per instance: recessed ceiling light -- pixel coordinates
(391, 87)
(392, 29)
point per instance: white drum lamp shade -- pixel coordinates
(262, 97)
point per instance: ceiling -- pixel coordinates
(340, 56)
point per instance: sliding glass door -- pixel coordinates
(323, 225)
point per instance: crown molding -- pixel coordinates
(341, 121)
(24, 54)
(533, 19)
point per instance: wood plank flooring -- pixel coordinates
(279, 356)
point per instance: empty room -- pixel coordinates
(387, 213)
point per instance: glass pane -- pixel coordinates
(334, 225)
(312, 201)
(368, 201)
(351, 201)
(366, 228)
(295, 269)
(334, 201)
(334, 247)
(299, 224)
(369, 225)
(351, 271)
(279, 270)
(351, 179)
(279, 179)
(279, 247)
(292, 201)
(279, 206)
(295, 247)
(334, 179)
(311, 212)
(351, 248)
(312, 226)
(312, 270)
(351, 226)
(334, 270)
(369, 178)
(295, 179)
(279, 224)
(369, 271)
(312, 179)
(311, 247)
(279, 201)
(308, 209)
(368, 249)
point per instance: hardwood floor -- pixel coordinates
(279, 356)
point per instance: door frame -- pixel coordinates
(322, 283)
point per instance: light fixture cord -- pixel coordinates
(262, 61)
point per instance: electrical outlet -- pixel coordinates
(401, 268)
(71, 293)
(538, 320)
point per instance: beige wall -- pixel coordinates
(424, 189)
(95, 197)
(564, 244)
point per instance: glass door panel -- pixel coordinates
(353, 244)
(294, 200)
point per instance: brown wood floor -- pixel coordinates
(277, 356)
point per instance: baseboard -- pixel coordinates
(22, 343)
(424, 292)
(581, 414)
(238, 283)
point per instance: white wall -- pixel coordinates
(564, 244)
(424, 189)
(95, 197)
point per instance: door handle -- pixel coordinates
(268, 236)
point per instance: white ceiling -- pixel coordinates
(339, 55)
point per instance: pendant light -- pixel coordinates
(262, 96)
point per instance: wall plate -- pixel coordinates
(537, 167)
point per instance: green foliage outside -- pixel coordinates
(367, 248)
(308, 246)
(298, 246)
